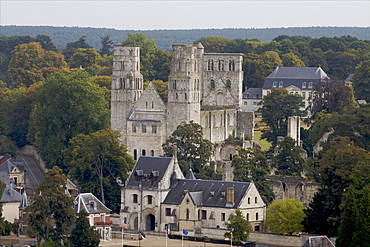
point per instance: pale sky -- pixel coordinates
(150, 15)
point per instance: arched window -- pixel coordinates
(212, 83)
(134, 198)
(212, 67)
(152, 152)
(143, 152)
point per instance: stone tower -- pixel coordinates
(184, 89)
(127, 85)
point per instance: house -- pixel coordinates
(10, 199)
(14, 169)
(99, 214)
(158, 197)
(297, 80)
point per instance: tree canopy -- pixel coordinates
(193, 151)
(66, 105)
(285, 216)
(97, 161)
(84, 234)
(238, 228)
(51, 212)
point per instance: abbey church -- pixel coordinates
(202, 87)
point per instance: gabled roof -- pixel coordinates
(209, 193)
(89, 203)
(9, 165)
(151, 171)
(294, 76)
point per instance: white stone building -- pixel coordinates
(204, 88)
(157, 197)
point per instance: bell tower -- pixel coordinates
(127, 85)
(184, 85)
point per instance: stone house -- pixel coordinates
(10, 199)
(204, 88)
(99, 214)
(157, 197)
(251, 98)
(15, 171)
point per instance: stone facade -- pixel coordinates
(204, 88)
(157, 197)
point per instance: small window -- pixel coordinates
(304, 84)
(168, 211)
(249, 200)
(122, 65)
(134, 128)
(255, 200)
(154, 129)
(280, 84)
(274, 84)
(143, 153)
(223, 217)
(135, 154)
(304, 95)
(150, 199)
(247, 216)
(134, 198)
(204, 214)
(256, 216)
(152, 153)
(245, 103)
(310, 85)
(102, 217)
(254, 103)
(187, 214)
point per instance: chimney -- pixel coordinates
(230, 197)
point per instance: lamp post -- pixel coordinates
(231, 239)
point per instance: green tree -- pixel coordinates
(332, 95)
(66, 105)
(193, 151)
(106, 45)
(361, 81)
(285, 216)
(97, 161)
(276, 108)
(288, 160)
(161, 87)
(51, 212)
(83, 57)
(238, 228)
(342, 163)
(213, 44)
(7, 147)
(161, 65)
(148, 49)
(30, 61)
(251, 165)
(84, 234)
(292, 60)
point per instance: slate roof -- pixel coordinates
(9, 165)
(294, 76)
(208, 193)
(253, 93)
(150, 169)
(89, 203)
(7, 196)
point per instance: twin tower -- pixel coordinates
(202, 87)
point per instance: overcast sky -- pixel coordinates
(149, 15)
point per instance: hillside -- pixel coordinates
(166, 38)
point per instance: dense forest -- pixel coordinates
(166, 38)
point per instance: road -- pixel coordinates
(34, 176)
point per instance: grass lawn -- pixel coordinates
(265, 144)
(7, 242)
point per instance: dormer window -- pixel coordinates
(310, 85)
(304, 84)
(274, 84)
(280, 84)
